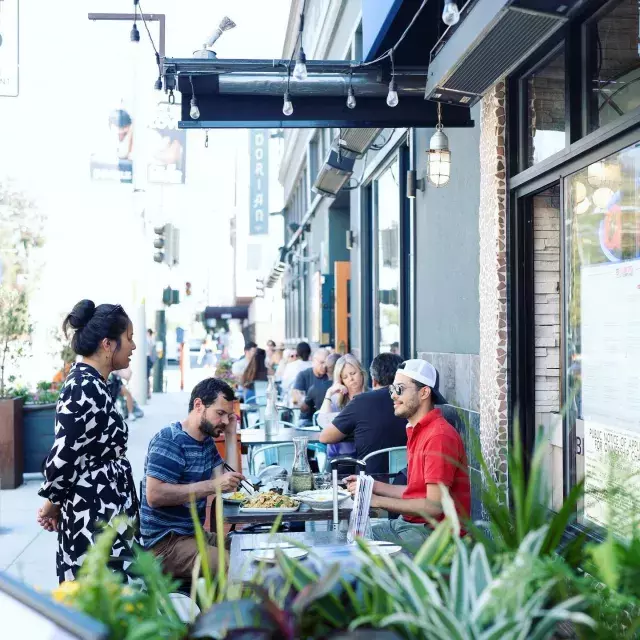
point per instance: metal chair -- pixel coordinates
(263, 456)
(397, 458)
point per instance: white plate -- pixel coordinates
(226, 497)
(262, 510)
(322, 499)
(269, 554)
(381, 548)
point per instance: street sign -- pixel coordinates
(9, 48)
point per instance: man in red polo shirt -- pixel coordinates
(435, 455)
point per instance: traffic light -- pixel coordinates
(167, 243)
(170, 296)
(187, 288)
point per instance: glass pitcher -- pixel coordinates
(301, 477)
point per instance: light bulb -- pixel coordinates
(351, 98)
(450, 13)
(287, 107)
(194, 112)
(392, 96)
(300, 70)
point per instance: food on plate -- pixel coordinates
(270, 500)
(236, 495)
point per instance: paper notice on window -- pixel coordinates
(610, 318)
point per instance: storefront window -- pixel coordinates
(387, 215)
(546, 109)
(602, 356)
(613, 44)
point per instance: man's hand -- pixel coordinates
(232, 426)
(351, 484)
(228, 482)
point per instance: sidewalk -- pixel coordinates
(27, 551)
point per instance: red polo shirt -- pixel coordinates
(435, 453)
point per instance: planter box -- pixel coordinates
(11, 443)
(38, 428)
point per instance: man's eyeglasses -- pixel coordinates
(397, 389)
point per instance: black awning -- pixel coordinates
(226, 313)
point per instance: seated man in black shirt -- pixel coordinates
(315, 395)
(370, 417)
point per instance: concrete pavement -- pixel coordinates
(27, 551)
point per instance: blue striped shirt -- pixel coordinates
(177, 458)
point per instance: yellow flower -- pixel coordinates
(66, 591)
(127, 591)
(129, 608)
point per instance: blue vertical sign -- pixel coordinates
(259, 182)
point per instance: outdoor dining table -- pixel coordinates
(285, 434)
(232, 515)
(326, 546)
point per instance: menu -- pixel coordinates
(610, 318)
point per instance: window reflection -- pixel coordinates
(615, 64)
(388, 257)
(603, 328)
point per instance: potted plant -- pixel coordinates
(38, 422)
(14, 329)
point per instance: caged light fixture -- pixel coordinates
(439, 156)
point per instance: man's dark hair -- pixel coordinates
(208, 391)
(150, 332)
(271, 343)
(383, 368)
(249, 345)
(303, 350)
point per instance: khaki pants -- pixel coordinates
(179, 553)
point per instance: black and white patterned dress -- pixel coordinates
(87, 473)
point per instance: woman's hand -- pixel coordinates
(48, 516)
(336, 388)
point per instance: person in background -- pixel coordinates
(88, 478)
(435, 455)
(238, 367)
(349, 381)
(271, 350)
(256, 371)
(207, 357)
(276, 359)
(306, 379)
(282, 365)
(152, 356)
(395, 348)
(118, 389)
(315, 396)
(183, 463)
(370, 418)
(297, 363)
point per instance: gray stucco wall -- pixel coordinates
(447, 301)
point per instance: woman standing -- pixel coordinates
(87, 476)
(348, 381)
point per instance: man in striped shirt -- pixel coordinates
(183, 462)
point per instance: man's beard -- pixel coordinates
(408, 408)
(209, 429)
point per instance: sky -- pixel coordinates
(71, 71)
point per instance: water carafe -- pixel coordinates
(301, 478)
(271, 417)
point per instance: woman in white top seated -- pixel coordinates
(349, 380)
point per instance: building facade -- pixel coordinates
(520, 278)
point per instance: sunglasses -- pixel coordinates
(397, 389)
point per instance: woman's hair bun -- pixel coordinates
(81, 314)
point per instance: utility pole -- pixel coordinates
(161, 351)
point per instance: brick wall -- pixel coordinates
(546, 289)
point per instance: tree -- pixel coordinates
(14, 329)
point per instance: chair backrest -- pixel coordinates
(260, 389)
(397, 457)
(282, 423)
(280, 453)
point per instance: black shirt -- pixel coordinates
(304, 381)
(370, 418)
(315, 396)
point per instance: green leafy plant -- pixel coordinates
(14, 330)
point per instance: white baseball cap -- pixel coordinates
(424, 372)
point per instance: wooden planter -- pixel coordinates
(38, 423)
(11, 443)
